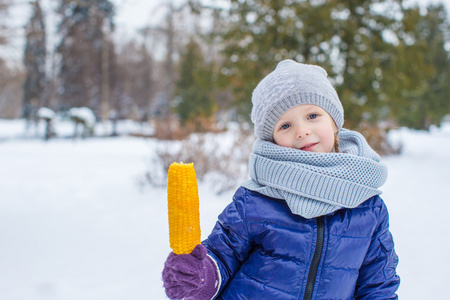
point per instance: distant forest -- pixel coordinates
(389, 63)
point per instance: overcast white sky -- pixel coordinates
(131, 15)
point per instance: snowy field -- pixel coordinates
(77, 222)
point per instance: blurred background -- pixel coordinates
(98, 97)
(195, 63)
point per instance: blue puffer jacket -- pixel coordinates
(263, 251)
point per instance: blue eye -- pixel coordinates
(285, 126)
(312, 116)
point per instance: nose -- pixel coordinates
(303, 131)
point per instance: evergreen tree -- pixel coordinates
(83, 28)
(344, 37)
(363, 56)
(34, 61)
(257, 34)
(194, 89)
(420, 83)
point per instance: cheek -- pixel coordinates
(282, 140)
(331, 135)
(328, 136)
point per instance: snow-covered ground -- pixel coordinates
(77, 222)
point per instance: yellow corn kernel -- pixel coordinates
(183, 203)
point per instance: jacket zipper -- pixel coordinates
(316, 259)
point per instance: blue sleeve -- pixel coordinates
(377, 277)
(229, 242)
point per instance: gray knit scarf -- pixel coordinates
(316, 184)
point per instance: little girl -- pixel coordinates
(309, 224)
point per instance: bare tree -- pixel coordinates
(173, 32)
(4, 6)
(11, 91)
(135, 85)
(11, 77)
(82, 53)
(34, 61)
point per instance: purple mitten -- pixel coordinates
(190, 276)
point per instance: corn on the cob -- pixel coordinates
(183, 203)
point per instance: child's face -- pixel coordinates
(306, 127)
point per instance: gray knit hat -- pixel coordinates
(289, 85)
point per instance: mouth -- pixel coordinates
(309, 147)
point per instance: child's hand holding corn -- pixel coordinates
(188, 272)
